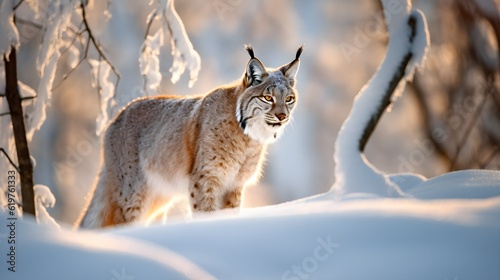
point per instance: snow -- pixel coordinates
(37, 118)
(149, 63)
(468, 184)
(350, 162)
(182, 49)
(43, 199)
(183, 53)
(406, 181)
(8, 30)
(50, 51)
(420, 45)
(101, 72)
(34, 6)
(66, 254)
(370, 226)
(364, 237)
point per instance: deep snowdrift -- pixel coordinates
(360, 237)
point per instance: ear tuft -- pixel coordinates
(299, 52)
(290, 70)
(249, 49)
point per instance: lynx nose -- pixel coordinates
(281, 116)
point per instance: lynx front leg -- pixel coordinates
(232, 199)
(206, 194)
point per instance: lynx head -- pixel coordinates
(266, 104)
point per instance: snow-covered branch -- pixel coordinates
(101, 71)
(408, 45)
(43, 199)
(183, 53)
(59, 37)
(96, 44)
(8, 30)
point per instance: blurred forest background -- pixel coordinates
(448, 119)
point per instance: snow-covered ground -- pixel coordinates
(446, 227)
(449, 229)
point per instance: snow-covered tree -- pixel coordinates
(67, 31)
(407, 50)
(447, 227)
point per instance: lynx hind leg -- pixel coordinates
(157, 209)
(103, 210)
(93, 215)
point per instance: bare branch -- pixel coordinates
(94, 41)
(69, 73)
(29, 97)
(77, 34)
(150, 22)
(9, 159)
(98, 48)
(4, 114)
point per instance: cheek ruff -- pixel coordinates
(263, 132)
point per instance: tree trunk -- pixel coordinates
(17, 119)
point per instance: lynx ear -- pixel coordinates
(256, 71)
(290, 70)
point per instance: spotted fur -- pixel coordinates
(206, 148)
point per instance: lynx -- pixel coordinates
(206, 148)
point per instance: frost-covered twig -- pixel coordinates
(100, 80)
(44, 198)
(408, 45)
(183, 52)
(8, 31)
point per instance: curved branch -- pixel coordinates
(386, 99)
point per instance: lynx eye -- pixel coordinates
(289, 99)
(267, 98)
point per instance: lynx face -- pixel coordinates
(265, 107)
